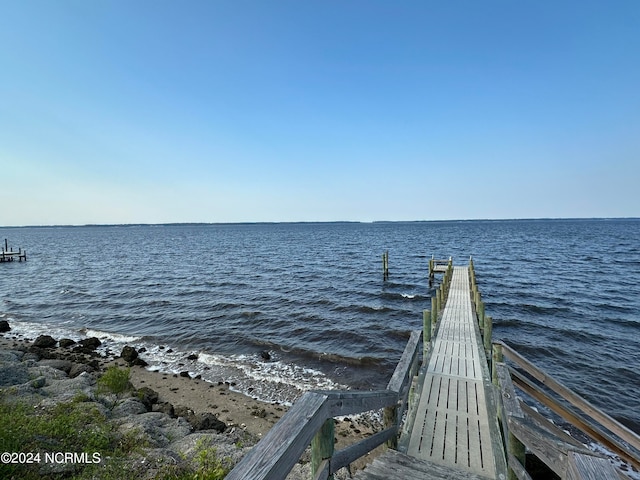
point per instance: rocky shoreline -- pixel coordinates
(173, 415)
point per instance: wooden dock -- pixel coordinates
(9, 255)
(451, 424)
(455, 415)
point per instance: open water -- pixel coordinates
(564, 293)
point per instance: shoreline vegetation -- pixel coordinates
(67, 411)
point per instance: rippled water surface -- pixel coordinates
(565, 293)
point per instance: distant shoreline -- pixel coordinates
(331, 222)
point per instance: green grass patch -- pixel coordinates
(115, 380)
(75, 427)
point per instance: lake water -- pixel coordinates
(564, 293)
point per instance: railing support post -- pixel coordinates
(390, 419)
(488, 332)
(516, 448)
(322, 446)
(426, 332)
(495, 359)
(434, 312)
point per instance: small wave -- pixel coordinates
(403, 296)
(539, 309)
(275, 380)
(109, 336)
(362, 308)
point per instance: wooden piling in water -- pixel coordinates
(385, 265)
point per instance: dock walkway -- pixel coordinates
(449, 432)
(452, 425)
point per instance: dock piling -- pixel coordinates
(426, 332)
(385, 265)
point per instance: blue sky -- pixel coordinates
(233, 111)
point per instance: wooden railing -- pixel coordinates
(310, 420)
(524, 427)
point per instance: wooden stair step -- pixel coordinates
(393, 465)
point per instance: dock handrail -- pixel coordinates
(588, 418)
(280, 449)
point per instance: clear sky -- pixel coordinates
(136, 111)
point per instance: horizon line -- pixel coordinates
(308, 222)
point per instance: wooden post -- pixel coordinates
(439, 298)
(481, 315)
(322, 446)
(488, 331)
(516, 448)
(434, 311)
(385, 265)
(431, 272)
(495, 359)
(390, 419)
(426, 332)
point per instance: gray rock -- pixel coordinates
(159, 429)
(138, 362)
(225, 447)
(128, 407)
(154, 463)
(45, 341)
(79, 368)
(4, 326)
(206, 421)
(66, 389)
(147, 396)
(64, 365)
(51, 373)
(66, 342)
(182, 411)
(9, 356)
(31, 357)
(38, 382)
(164, 407)
(13, 374)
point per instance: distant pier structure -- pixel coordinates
(10, 255)
(438, 266)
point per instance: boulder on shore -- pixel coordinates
(129, 354)
(148, 397)
(91, 343)
(4, 326)
(45, 341)
(66, 342)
